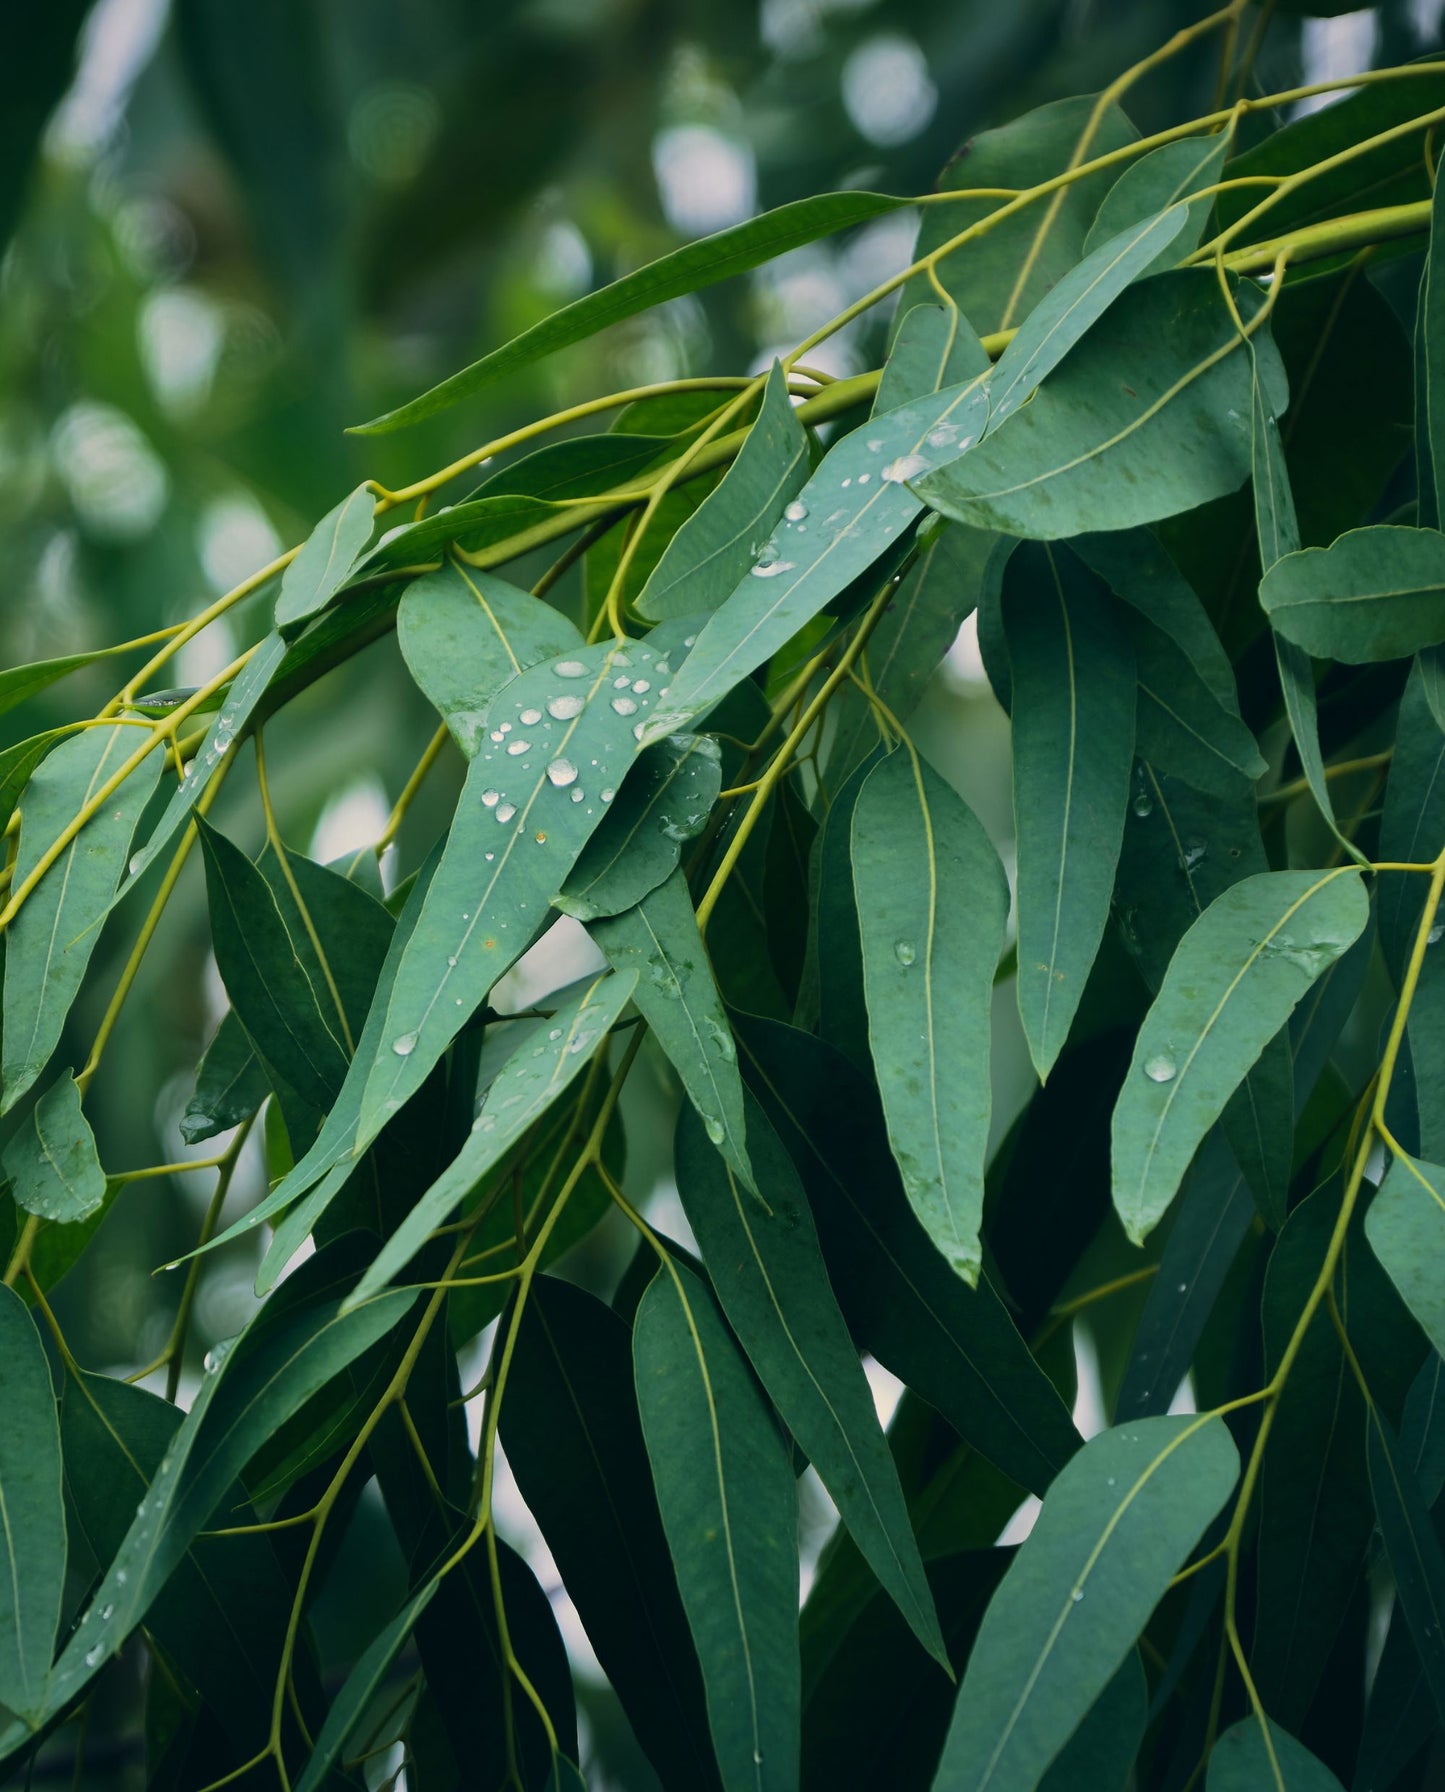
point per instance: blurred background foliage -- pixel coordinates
(230, 230)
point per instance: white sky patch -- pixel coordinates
(706, 179)
(1333, 49)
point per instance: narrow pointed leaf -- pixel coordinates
(362, 1684)
(51, 1163)
(718, 543)
(1182, 726)
(852, 511)
(1073, 755)
(932, 904)
(16, 765)
(933, 347)
(532, 1079)
(1232, 984)
(729, 1508)
(19, 683)
(464, 633)
(1241, 1761)
(638, 844)
(1061, 319)
(1167, 176)
(678, 998)
(1099, 1756)
(1143, 420)
(231, 1084)
(1115, 1527)
(49, 942)
(689, 269)
(32, 1515)
(330, 551)
(1405, 1225)
(763, 1256)
(1413, 1546)
(956, 1346)
(574, 1440)
(1375, 594)
(557, 733)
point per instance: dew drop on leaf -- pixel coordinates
(1160, 1068)
(570, 669)
(562, 772)
(530, 717)
(624, 706)
(905, 951)
(563, 708)
(906, 467)
(404, 1044)
(796, 512)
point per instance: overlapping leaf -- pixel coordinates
(32, 1535)
(1375, 594)
(327, 555)
(51, 1163)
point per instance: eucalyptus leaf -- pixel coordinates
(231, 1083)
(1375, 594)
(1166, 176)
(51, 1163)
(327, 556)
(1405, 1224)
(1416, 1557)
(1242, 1760)
(932, 904)
(32, 1537)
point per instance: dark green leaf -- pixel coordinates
(726, 1494)
(51, 1163)
(932, 904)
(573, 1437)
(1128, 429)
(1416, 1557)
(763, 1256)
(690, 269)
(717, 544)
(1375, 594)
(231, 1083)
(326, 558)
(638, 843)
(932, 347)
(464, 633)
(1073, 753)
(1231, 986)
(677, 997)
(1115, 1527)
(1182, 727)
(19, 683)
(1099, 1756)
(32, 1535)
(1405, 1225)
(49, 942)
(1243, 1761)
(1164, 177)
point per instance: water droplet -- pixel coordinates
(1435, 935)
(608, 794)
(517, 747)
(620, 658)
(905, 951)
(529, 718)
(496, 737)
(1143, 803)
(638, 730)
(1160, 1068)
(796, 512)
(505, 811)
(943, 435)
(691, 641)
(562, 772)
(489, 857)
(491, 798)
(1195, 853)
(121, 1577)
(714, 1129)
(541, 840)
(769, 569)
(107, 1612)
(556, 1033)
(562, 709)
(404, 1045)
(625, 706)
(875, 444)
(137, 860)
(217, 1355)
(452, 961)
(842, 488)
(1110, 1481)
(577, 793)
(641, 685)
(1077, 1595)
(906, 467)
(863, 478)
(92, 1656)
(1184, 1287)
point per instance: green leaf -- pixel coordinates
(638, 844)
(763, 1256)
(250, 687)
(533, 1078)
(1080, 298)
(1099, 1756)
(729, 1508)
(1142, 421)
(1182, 726)
(931, 348)
(1167, 175)
(1412, 828)
(20, 683)
(533, 809)
(1073, 756)
(1405, 1225)
(1430, 389)
(18, 762)
(51, 938)
(363, 1683)
(1115, 1527)
(32, 1535)
(852, 511)
(287, 1017)
(686, 270)
(932, 905)
(677, 997)
(326, 558)
(1242, 1761)
(1215, 1214)
(574, 1439)
(1375, 594)
(1413, 1546)
(231, 1083)
(998, 277)
(956, 1346)
(1232, 984)
(279, 1363)
(51, 1163)
(464, 633)
(717, 544)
